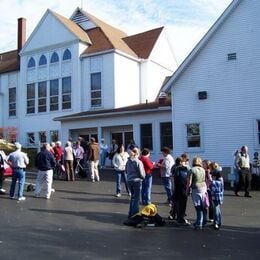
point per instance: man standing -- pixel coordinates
(93, 157)
(45, 162)
(18, 161)
(243, 167)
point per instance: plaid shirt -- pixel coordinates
(217, 191)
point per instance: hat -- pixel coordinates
(92, 139)
(17, 145)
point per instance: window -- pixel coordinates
(42, 137)
(42, 96)
(54, 95)
(66, 55)
(31, 63)
(31, 98)
(193, 135)
(31, 138)
(66, 93)
(54, 57)
(12, 101)
(43, 60)
(95, 89)
(166, 134)
(54, 135)
(146, 136)
(258, 132)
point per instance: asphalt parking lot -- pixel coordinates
(84, 220)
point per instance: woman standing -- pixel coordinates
(135, 175)
(165, 170)
(68, 157)
(119, 162)
(199, 191)
(147, 183)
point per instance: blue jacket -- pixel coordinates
(45, 161)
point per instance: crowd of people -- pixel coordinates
(202, 180)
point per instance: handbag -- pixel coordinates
(205, 200)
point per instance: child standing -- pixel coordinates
(217, 192)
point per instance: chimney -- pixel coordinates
(162, 98)
(21, 35)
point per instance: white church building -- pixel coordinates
(80, 76)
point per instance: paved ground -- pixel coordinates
(83, 220)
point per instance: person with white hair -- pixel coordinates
(18, 161)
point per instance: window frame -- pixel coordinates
(95, 100)
(54, 97)
(42, 61)
(168, 137)
(194, 148)
(42, 100)
(54, 58)
(31, 63)
(66, 55)
(31, 100)
(143, 134)
(12, 100)
(66, 94)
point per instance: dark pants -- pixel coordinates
(69, 170)
(1, 178)
(181, 204)
(211, 208)
(244, 180)
(255, 183)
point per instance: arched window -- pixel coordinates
(31, 63)
(43, 60)
(66, 55)
(54, 57)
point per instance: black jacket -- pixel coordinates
(45, 161)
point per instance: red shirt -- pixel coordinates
(148, 164)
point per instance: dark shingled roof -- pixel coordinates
(9, 61)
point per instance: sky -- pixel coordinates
(185, 21)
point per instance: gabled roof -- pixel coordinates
(9, 61)
(113, 35)
(202, 43)
(74, 28)
(142, 44)
(134, 109)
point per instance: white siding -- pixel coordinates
(127, 81)
(233, 88)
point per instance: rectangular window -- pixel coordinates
(54, 95)
(146, 133)
(31, 138)
(166, 134)
(42, 96)
(31, 98)
(66, 93)
(258, 132)
(42, 137)
(193, 135)
(54, 135)
(96, 89)
(12, 101)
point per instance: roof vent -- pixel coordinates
(81, 20)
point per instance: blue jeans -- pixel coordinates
(217, 214)
(103, 156)
(201, 216)
(135, 189)
(20, 175)
(168, 187)
(147, 189)
(119, 176)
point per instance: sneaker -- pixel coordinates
(93, 180)
(211, 220)
(129, 194)
(21, 199)
(47, 197)
(52, 190)
(11, 197)
(216, 226)
(237, 194)
(248, 196)
(2, 190)
(118, 195)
